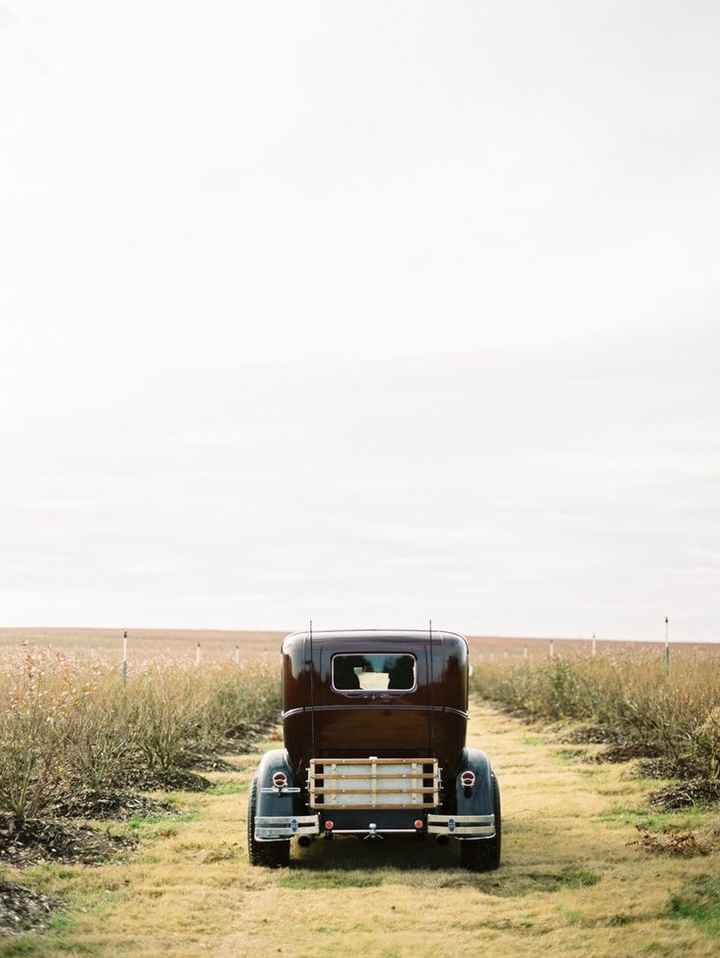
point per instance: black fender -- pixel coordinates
(274, 802)
(478, 800)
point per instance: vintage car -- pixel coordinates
(374, 729)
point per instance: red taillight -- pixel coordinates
(418, 823)
(467, 779)
(329, 825)
(279, 779)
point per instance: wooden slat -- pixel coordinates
(372, 791)
(372, 808)
(379, 776)
(375, 761)
(320, 784)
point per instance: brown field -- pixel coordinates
(591, 868)
(578, 877)
(499, 646)
(218, 645)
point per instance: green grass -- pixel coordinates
(580, 920)
(229, 788)
(652, 821)
(311, 880)
(699, 902)
(572, 917)
(572, 877)
(534, 740)
(572, 755)
(161, 826)
(26, 945)
(37, 942)
(19, 946)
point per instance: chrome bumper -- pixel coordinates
(273, 828)
(462, 826)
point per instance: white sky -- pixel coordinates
(370, 312)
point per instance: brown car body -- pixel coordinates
(374, 761)
(321, 722)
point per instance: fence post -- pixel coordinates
(594, 645)
(124, 658)
(525, 651)
(197, 654)
(667, 644)
(237, 655)
(552, 648)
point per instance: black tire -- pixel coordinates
(483, 855)
(264, 854)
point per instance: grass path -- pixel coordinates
(571, 884)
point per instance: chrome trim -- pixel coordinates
(275, 790)
(378, 831)
(372, 693)
(369, 704)
(291, 712)
(462, 826)
(449, 710)
(273, 828)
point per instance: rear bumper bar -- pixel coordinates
(275, 828)
(462, 826)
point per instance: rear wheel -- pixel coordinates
(265, 854)
(483, 854)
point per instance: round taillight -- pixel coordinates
(279, 779)
(467, 779)
(329, 825)
(418, 823)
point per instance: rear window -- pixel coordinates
(373, 672)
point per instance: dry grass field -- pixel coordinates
(594, 865)
(218, 645)
(580, 877)
(148, 644)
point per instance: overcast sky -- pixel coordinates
(369, 311)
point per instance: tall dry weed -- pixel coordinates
(675, 714)
(69, 725)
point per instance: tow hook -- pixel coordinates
(373, 833)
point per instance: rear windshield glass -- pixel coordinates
(374, 672)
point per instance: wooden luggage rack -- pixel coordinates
(367, 783)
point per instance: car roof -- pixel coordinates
(338, 636)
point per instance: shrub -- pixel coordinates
(67, 725)
(675, 714)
